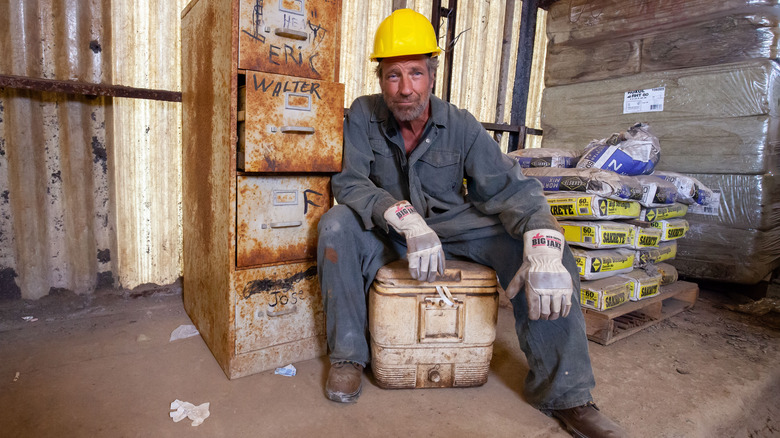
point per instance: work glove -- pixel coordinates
(548, 284)
(423, 247)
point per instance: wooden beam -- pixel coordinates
(86, 88)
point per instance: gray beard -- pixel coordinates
(407, 115)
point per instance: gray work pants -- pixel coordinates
(348, 258)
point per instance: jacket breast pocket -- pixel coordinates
(440, 172)
(385, 169)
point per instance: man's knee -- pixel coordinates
(336, 223)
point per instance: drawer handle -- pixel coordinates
(286, 224)
(301, 129)
(292, 34)
(288, 311)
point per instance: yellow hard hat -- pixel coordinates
(404, 32)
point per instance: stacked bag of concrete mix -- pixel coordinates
(620, 226)
(702, 75)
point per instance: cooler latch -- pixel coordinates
(442, 317)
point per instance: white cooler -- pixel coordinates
(432, 335)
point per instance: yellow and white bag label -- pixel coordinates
(665, 251)
(571, 205)
(601, 234)
(645, 237)
(643, 285)
(594, 264)
(672, 229)
(606, 293)
(660, 213)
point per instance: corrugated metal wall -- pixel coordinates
(147, 142)
(56, 220)
(90, 188)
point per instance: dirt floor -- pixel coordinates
(103, 366)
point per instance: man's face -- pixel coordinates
(406, 86)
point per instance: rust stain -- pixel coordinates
(298, 101)
(291, 5)
(286, 253)
(331, 255)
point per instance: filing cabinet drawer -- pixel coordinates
(294, 37)
(279, 307)
(278, 217)
(290, 124)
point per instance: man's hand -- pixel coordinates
(548, 284)
(423, 248)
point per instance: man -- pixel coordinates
(406, 154)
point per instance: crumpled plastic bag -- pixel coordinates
(288, 371)
(633, 152)
(184, 331)
(184, 410)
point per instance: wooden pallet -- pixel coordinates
(612, 325)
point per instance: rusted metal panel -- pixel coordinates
(278, 305)
(59, 50)
(291, 124)
(147, 141)
(56, 39)
(208, 171)
(55, 193)
(292, 37)
(278, 217)
(147, 160)
(54, 171)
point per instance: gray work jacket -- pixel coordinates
(377, 173)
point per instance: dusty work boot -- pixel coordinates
(587, 422)
(345, 380)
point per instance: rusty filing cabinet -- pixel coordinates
(256, 179)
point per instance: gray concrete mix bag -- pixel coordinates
(593, 181)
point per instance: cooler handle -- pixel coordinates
(445, 295)
(450, 276)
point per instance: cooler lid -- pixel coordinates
(458, 274)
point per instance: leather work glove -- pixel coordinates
(423, 247)
(548, 284)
